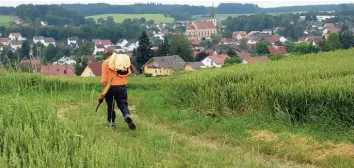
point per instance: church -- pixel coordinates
(205, 28)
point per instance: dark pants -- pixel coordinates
(119, 94)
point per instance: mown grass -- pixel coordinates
(158, 18)
(5, 20)
(192, 120)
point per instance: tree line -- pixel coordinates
(184, 12)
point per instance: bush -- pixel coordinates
(147, 75)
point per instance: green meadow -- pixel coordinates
(295, 112)
(158, 18)
(5, 20)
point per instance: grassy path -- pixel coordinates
(166, 137)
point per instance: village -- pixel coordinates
(243, 44)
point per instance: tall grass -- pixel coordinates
(307, 89)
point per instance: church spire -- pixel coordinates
(212, 15)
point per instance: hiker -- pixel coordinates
(118, 90)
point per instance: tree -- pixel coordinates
(150, 22)
(25, 49)
(201, 55)
(49, 54)
(110, 21)
(144, 52)
(181, 46)
(302, 48)
(262, 47)
(232, 60)
(313, 48)
(215, 39)
(347, 39)
(207, 44)
(244, 45)
(290, 46)
(231, 53)
(85, 49)
(332, 43)
(164, 48)
(100, 21)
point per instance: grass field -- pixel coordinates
(224, 16)
(240, 116)
(5, 20)
(158, 18)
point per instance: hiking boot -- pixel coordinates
(113, 125)
(130, 122)
(109, 124)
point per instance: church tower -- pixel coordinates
(213, 15)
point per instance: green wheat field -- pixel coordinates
(295, 112)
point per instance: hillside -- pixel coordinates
(5, 20)
(158, 18)
(181, 11)
(296, 112)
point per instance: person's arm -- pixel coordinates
(104, 77)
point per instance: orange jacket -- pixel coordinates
(108, 74)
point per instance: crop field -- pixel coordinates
(158, 18)
(5, 20)
(295, 112)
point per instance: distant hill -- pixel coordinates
(171, 10)
(118, 18)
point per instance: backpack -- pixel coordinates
(119, 63)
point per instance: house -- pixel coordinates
(99, 48)
(275, 38)
(239, 35)
(302, 18)
(195, 42)
(122, 42)
(58, 70)
(158, 35)
(244, 55)
(323, 17)
(44, 23)
(130, 46)
(4, 41)
(277, 50)
(205, 28)
(73, 40)
(46, 41)
(118, 49)
(16, 36)
(329, 30)
(34, 65)
(64, 61)
(106, 43)
(166, 65)
(92, 69)
(227, 41)
(255, 59)
(278, 30)
(215, 60)
(267, 31)
(16, 20)
(193, 66)
(15, 45)
(314, 40)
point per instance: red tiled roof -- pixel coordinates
(329, 25)
(204, 25)
(257, 59)
(106, 42)
(236, 33)
(58, 70)
(244, 55)
(30, 62)
(273, 39)
(16, 34)
(191, 27)
(96, 68)
(4, 40)
(227, 40)
(277, 50)
(195, 42)
(333, 29)
(219, 59)
(99, 45)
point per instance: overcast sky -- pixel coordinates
(262, 3)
